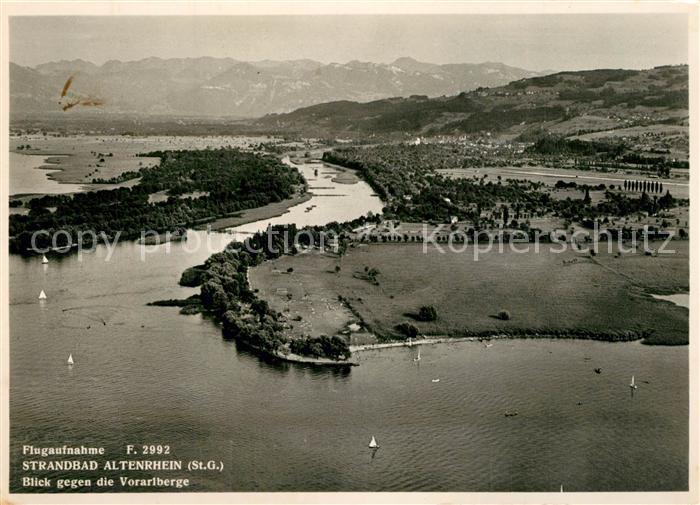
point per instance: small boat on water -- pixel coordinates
(70, 359)
(373, 443)
(42, 295)
(632, 384)
(435, 380)
(561, 488)
(44, 259)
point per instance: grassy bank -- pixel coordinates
(546, 294)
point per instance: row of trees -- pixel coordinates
(648, 186)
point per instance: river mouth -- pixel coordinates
(331, 200)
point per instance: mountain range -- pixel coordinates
(567, 103)
(225, 87)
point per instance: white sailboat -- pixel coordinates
(42, 295)
(632, 384)
(373, 443)
(44, 259)
(561, 488)
(417, 358)
(70, 359)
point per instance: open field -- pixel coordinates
(78, 161)
(676, 218)
(678, 183)
(545, 291)
(308, 292)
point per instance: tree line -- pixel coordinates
(647, 186)
(226, 294)
(415, 192)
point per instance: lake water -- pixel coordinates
(27, 177)
(680, 299)
(149, 375)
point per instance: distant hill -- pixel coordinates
(225, 87)
(566, 103)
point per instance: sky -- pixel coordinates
(534, 42)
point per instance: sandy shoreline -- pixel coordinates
(486, 338)
(295, 358)
(424, 341)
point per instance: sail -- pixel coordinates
(42, 295)
(44, 259)
(632, 383)
(373, 443)
(70, 359)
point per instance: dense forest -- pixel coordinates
(414, 191)
(226, 294)
(201, 185)
(552, 144)
(594, 154)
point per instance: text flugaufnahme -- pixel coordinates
(150, 466)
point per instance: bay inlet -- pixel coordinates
(143, 372)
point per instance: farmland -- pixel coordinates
(544, 293)
(677, 184)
